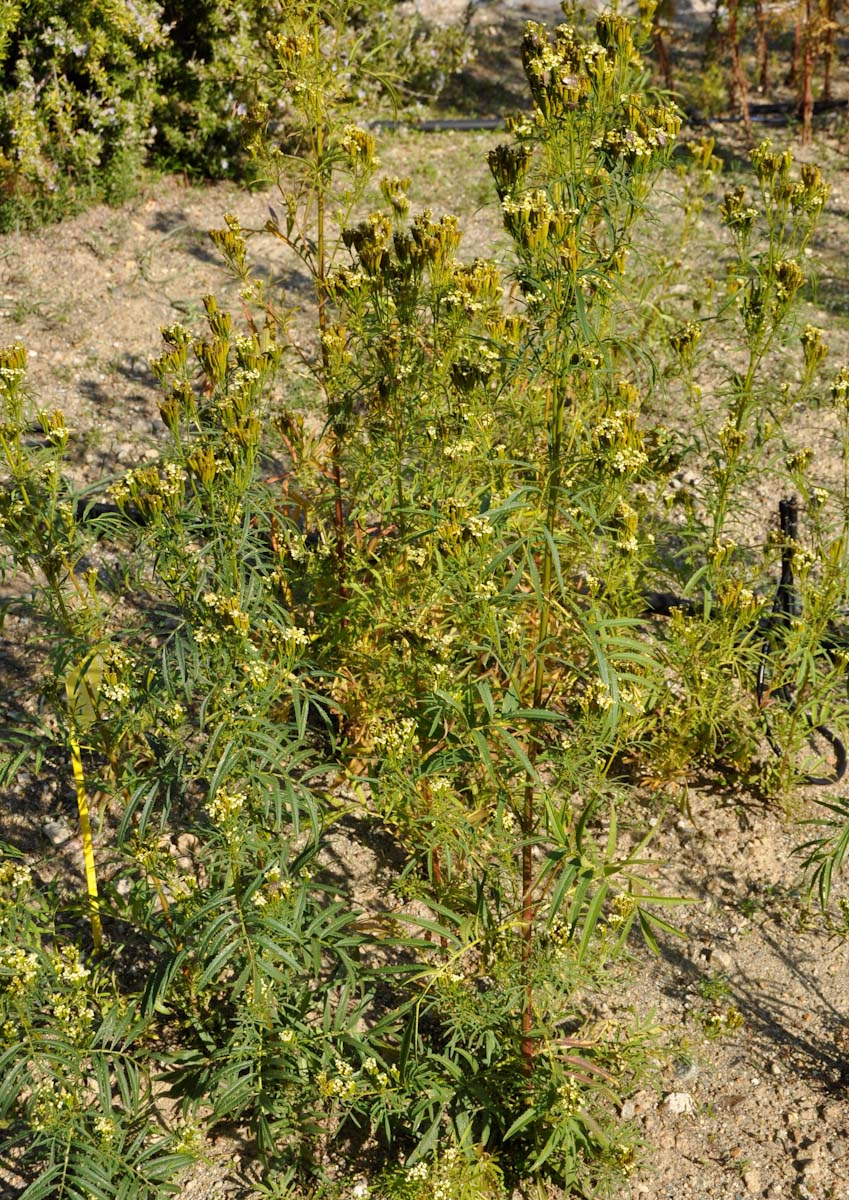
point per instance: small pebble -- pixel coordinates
(679, 1104)
(752, 1180)
(686, 1072)
(57, 833)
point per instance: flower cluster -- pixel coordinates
(731, 439)
(628, 145)
(736, 212)
(569, 1099)
(475, 288)
(799, 460)
(151, 490)
(814, 348)
(234, 617)
(624, 907)
(770, 165)
(395, 738)
(840, 388)
(73, 1015)
(10, 375)
(256, 671)
(597, 695)
(810, 193)
(684, 341)
(735, 595)
(70, 969)
(533, 220)
(394, 189)
(277, 887)
(225, 806)
(105, 1128)
(626, 460)
(768, 299)
(719, 1021)
(115, 675)
(554, 70)
(14, 877)
(721, 551)
(789, 278)
(340, 1086)
(478, 526)
(629, 521)
(359, 145)
(463, 448)
(12, 508)
(294, 638)
(51, 1107)
(18, 970)
(56, 432)
(509, 166)
(293, 51)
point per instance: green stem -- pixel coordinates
(552, 496)
(321, 290)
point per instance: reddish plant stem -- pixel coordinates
(663, 60)
(333, 405)
(828, 50)
(793, 74)
(761, 47)
(738, 77)
(436, 869)
(807, 77)
(554, 413)
(527, 1044)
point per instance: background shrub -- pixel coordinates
(91, 91)
(76, 110)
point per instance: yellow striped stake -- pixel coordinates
(88, 845)
(82, 685)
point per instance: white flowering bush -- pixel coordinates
(77, 102)
(93, 90)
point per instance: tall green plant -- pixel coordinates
(439, 540)
(571, 187)
(391, 572)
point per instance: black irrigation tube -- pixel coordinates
(767, 114)
(785, 607)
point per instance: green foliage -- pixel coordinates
(76, 1100)
(389, 578)
(744, 432)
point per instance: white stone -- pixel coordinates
(57, 833)
(679, 1104)
(752, 1180)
